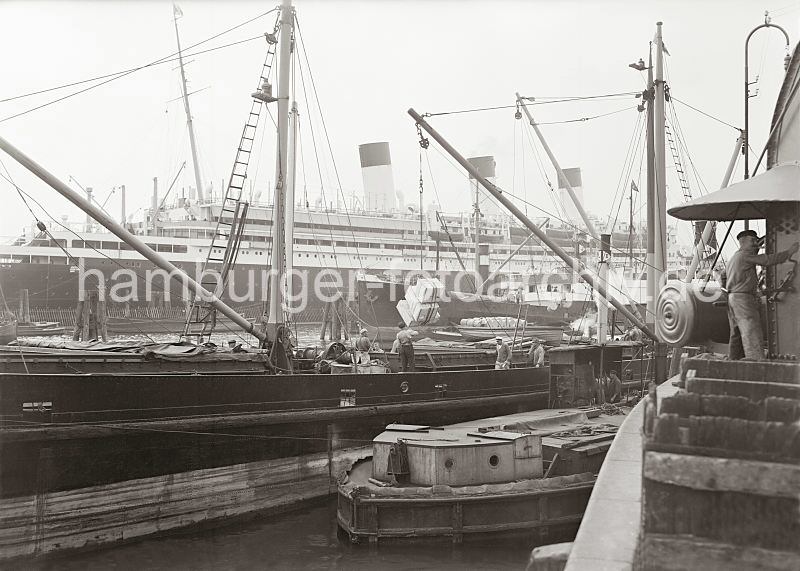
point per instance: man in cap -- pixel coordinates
(743, 298)
(363, 345)
(613, 388)
(403, 345)
(503, 360)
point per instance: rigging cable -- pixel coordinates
(627, 168)
(535, 101)
(717, 119)
(358, 255)
(124, 74)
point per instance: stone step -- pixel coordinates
(773, 439)
(753, 390)
(787, 372)
(769, 409)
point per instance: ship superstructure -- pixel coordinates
(339, 241)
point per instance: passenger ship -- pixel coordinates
(334, 248)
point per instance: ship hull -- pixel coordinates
(53, 292)
(95, 459)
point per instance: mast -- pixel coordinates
(421, 229)
(154, 206)
(133, 241)
(557, 250)
(476, 215)
(602, 306)
(659, 207)
(122, 215)
(651, 196)
(177, 13)
(561, 176)
(630, 224)
(275, 308)
(290, 184)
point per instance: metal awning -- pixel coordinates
(747, 199)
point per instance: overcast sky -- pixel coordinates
(370, 62)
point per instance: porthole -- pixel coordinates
(404, 387)
(449, 463)
(494, 460)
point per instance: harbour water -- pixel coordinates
(303, 539)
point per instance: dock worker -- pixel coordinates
(613, 388)
(503, 360)
(633, 334)
(536, 355)
(404, 346)
(743, 298)
(363, 345)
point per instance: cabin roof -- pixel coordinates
(747, 199)
(445, 436)
(594, 346)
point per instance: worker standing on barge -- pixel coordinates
(743, 297)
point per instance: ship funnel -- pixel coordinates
(573, 177)
(486, 167)
(376, 173)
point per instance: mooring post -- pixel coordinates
(90, 327)
(24, 306)
(78, 329)
(326, 313)
(102, 317)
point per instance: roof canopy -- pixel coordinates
(747, 199)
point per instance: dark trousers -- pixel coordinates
(744, 319)
(407, 358)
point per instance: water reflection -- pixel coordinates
(303, 539)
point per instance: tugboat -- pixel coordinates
(527, 474)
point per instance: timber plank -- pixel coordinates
(772, 522)
(723, 474)
(678, 553)
(119, 511)
(754, 390)
(786, 372)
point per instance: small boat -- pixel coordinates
(38, 328)
(527, 474)
(551, 335)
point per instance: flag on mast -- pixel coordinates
(176, 11)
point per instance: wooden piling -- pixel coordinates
(326, 315)
(24, 306)
(102, 316)
(90, 317)
(344, 317)
(336, 329)
(77, 332)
